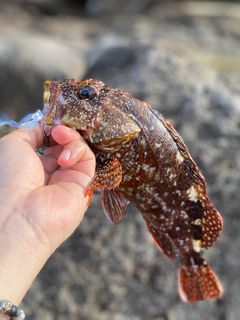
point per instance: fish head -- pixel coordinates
(92, 109)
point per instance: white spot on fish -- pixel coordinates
(197, 222)
(192, 194)
(184, 214)
(172, 176)
(181, 242)
(196, 245)
(158, 145)
(145, 167)
(192, 261)
(179, 158)
(179, 193)
(138, 168)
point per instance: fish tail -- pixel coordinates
(198, 282)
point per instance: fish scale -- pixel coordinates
(142, 159)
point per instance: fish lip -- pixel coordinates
(50, 90)
(52, 112)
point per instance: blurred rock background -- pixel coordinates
(183, 57)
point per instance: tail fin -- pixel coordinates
(198, 283)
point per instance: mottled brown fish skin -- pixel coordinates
(142, 159)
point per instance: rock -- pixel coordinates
(35, 48)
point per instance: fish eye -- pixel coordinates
(86, 92)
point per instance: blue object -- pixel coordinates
(29, 122)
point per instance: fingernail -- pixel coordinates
(65, 154)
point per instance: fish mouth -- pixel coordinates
(53, 103)
(53, 108)
(46, 96)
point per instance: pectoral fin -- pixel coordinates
(114, 205)
(107, 177)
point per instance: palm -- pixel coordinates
(49, 197)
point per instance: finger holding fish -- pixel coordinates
(69, 158)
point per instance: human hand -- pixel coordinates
(41, 201)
